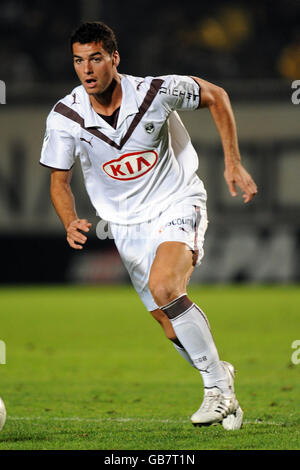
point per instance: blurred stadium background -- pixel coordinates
(252, 49)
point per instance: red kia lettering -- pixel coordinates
(116, 170)
(129, 168)
(141, 160)
(131, 165)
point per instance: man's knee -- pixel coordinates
(163, 291)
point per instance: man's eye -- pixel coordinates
(96, 59)
(78, 61)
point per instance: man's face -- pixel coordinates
(94, 66)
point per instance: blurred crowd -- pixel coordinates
(227, 40)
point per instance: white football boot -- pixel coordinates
(216, 407)
(234, 420)
(2, 414)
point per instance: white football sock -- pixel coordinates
(184, 354)
(192, 329)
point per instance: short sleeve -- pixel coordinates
(180, 93)
(58, 150)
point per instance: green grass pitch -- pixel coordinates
(88, 368)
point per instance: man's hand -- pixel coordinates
(237, 175)
(74, 236)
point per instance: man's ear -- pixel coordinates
(116, 58)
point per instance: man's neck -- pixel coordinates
(106, 103)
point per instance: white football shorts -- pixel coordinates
(137, 243)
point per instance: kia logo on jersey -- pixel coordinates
(131, 165)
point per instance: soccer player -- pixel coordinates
(139, 168)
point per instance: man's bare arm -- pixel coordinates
(217, 101)
(64, 204)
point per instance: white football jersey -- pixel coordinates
(145, 164)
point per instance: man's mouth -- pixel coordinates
(90, 82)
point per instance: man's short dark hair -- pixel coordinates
(95, 31)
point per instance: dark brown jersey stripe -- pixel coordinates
(150, 95)
(102, 136)
(71, 114)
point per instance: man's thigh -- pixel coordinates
(164, 249)
(170, 271)
(173, 263)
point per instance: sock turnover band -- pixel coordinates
(177, 306)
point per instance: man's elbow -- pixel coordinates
(223, 94)
(213, 96)
(219, 95)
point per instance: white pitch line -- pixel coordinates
(125, 420)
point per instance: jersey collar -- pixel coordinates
(128, 107)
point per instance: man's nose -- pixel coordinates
(88, 67)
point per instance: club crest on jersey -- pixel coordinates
(131, 165)
(149, 127)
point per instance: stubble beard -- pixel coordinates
(104, 96)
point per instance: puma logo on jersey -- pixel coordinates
(131, 165)
(87, 141)
(74, 99)
(138, 86)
